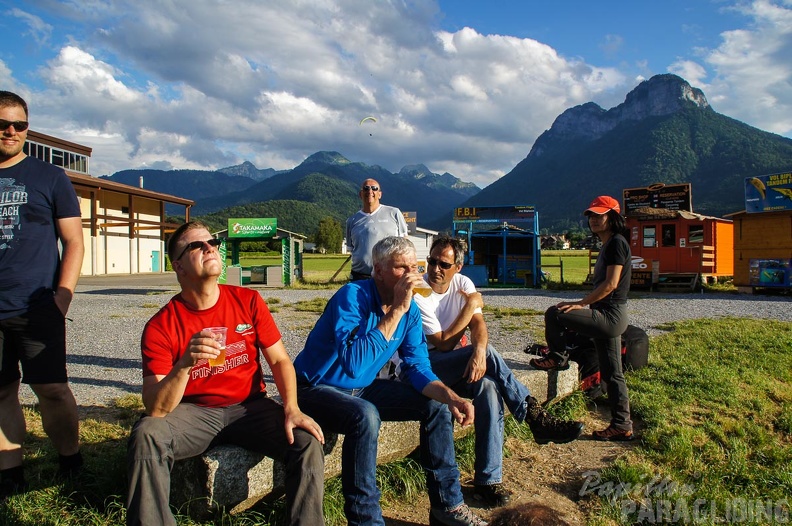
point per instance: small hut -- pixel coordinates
(762, 250)
(683, 244)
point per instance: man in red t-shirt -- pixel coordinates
(191, 406)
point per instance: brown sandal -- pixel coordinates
(547, 364)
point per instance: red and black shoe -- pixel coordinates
(548, 364)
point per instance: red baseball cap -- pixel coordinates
(602, 205)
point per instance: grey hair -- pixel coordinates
(387, 248)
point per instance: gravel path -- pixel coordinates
(109, 315)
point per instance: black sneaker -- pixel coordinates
(491, 495)
(459, 516)
(548, 428)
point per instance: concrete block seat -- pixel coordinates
(233, 479)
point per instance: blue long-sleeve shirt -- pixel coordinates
(346, 350)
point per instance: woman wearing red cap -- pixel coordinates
(605, 319)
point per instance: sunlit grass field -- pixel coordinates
(320, 268)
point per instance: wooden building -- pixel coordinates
(681, 242)
(762, 250)
(124, 227)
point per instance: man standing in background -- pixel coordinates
(373, 222)
(39, 208)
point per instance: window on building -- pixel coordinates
(696, 234)
(669, 235)
(649, 236)
(69, 160)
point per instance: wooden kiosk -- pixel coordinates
(259, 229)
(763, 234)
(503, 244)
(684, 248)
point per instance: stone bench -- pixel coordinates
(231, 478)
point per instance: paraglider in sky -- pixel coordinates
(369, 118)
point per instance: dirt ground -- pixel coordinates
(550, 474)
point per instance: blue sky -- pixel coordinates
(461, 86)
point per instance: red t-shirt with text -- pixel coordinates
(250, 328)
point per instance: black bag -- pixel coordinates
(635, 355)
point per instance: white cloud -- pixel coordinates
(693, 72)
(753, 70)
(38, 30)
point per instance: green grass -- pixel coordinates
(318, 269)
(576, 265)
(716, 401)
(715, 413)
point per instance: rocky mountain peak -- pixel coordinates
(658, 96)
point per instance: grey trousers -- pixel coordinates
(605, 328)
(157, 442)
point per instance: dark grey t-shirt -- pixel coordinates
(616, 251)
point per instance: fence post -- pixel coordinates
(561, 270)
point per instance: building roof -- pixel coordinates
(87, 181)
(224, 233)
(648, 213)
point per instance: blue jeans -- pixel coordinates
(357, 415)
(488, 394)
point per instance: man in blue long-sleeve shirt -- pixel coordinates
(364, 323)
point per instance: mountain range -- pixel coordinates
(664, 132)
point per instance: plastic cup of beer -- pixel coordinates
(219, 334)
(423, 289)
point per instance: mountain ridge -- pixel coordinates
(664, 132)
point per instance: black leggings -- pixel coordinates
(605, 327)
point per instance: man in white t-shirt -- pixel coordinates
(373, 222)
(476, 370)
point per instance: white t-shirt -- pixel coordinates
(439, 311)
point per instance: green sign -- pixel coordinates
(252, 227)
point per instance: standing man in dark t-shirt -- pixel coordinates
(38, 208)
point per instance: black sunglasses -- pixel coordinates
(18, 125)
(368, 187)
(195, 245)
(443, 264)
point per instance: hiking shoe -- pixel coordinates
(459, 516)
(548, 428)
(548, 364)
(491, 495)
(610, 434)
(537, 349)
